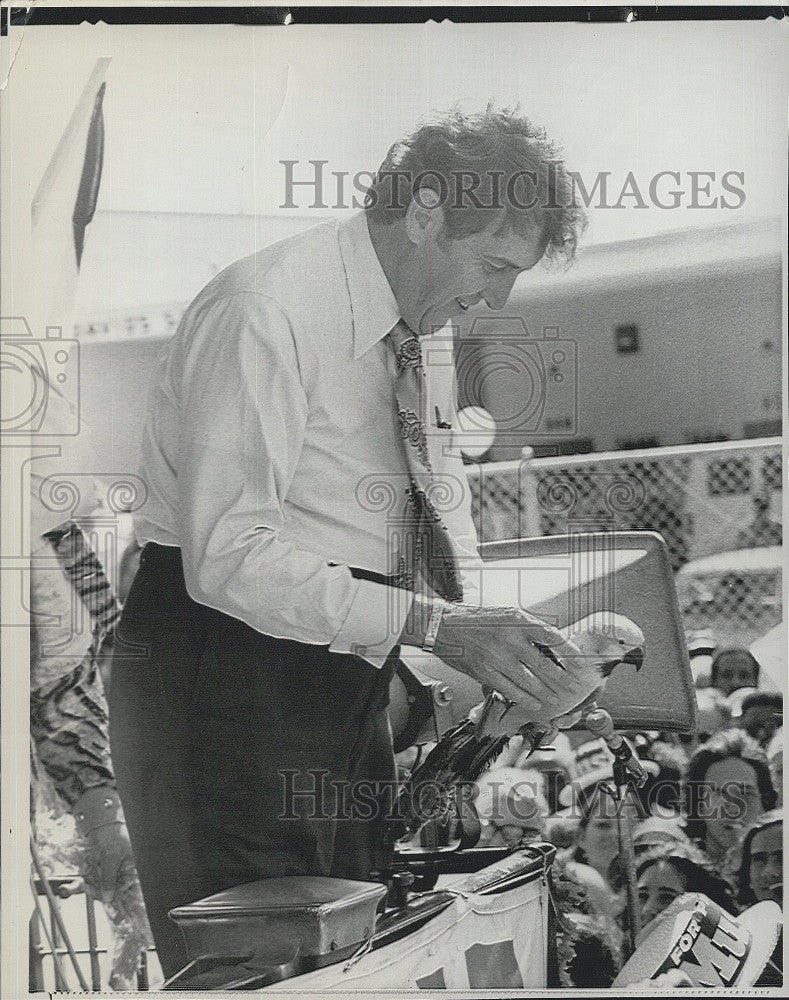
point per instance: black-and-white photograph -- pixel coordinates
(392, 469)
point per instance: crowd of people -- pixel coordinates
(708, 820)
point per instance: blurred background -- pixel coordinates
(641, 389)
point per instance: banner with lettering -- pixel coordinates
(713, 948)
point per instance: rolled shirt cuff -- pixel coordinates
(374, 623)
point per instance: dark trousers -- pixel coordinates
(239, 756)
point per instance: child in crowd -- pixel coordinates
(666, 872)
(734, 668)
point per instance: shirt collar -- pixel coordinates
(373, 305)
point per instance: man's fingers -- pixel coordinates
(558, 678)
(547, 635)
(568, 720)
(517, 692)
(567, 683)
(536, 682)
(544, 686)
(541, 677)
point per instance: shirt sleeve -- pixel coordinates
(244, 416)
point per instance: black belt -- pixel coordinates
(371, 575)
(173, 553)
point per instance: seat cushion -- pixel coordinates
(320, 915)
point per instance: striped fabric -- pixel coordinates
(68, 709)
(84, 569)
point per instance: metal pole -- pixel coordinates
(57, 919)
(627, 853)
(59, 975)
(35, 965)
(93, 941)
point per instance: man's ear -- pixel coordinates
(423, 216)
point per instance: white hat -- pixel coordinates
(511, 795)
(770, 651)
(657, 830)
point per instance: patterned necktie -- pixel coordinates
(431, 550)
(86, 573)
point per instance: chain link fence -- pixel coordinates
(718, 507)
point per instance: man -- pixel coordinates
(288, 463)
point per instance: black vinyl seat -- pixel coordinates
(262, 932)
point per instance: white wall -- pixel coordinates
(703, 367)
(137, 259)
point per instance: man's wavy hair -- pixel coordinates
(492, 169)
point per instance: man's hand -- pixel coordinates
(605, 641)
(109, 864)
(526, 660)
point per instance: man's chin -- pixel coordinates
(436, 319)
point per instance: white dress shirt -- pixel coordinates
(272, 454)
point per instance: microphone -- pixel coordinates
(600, 724)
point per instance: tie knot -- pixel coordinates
(405, 344)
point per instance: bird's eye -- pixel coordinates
(621, 642)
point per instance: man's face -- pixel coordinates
(453, 274)
(767, 859)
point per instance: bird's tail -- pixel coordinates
(459, 757)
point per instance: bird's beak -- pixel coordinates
(635, 657)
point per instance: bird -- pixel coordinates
(604, 638)
(609, 640)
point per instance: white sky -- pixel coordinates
(190, 110)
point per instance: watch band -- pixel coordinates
(431, 634)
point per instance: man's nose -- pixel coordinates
(498, 290)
